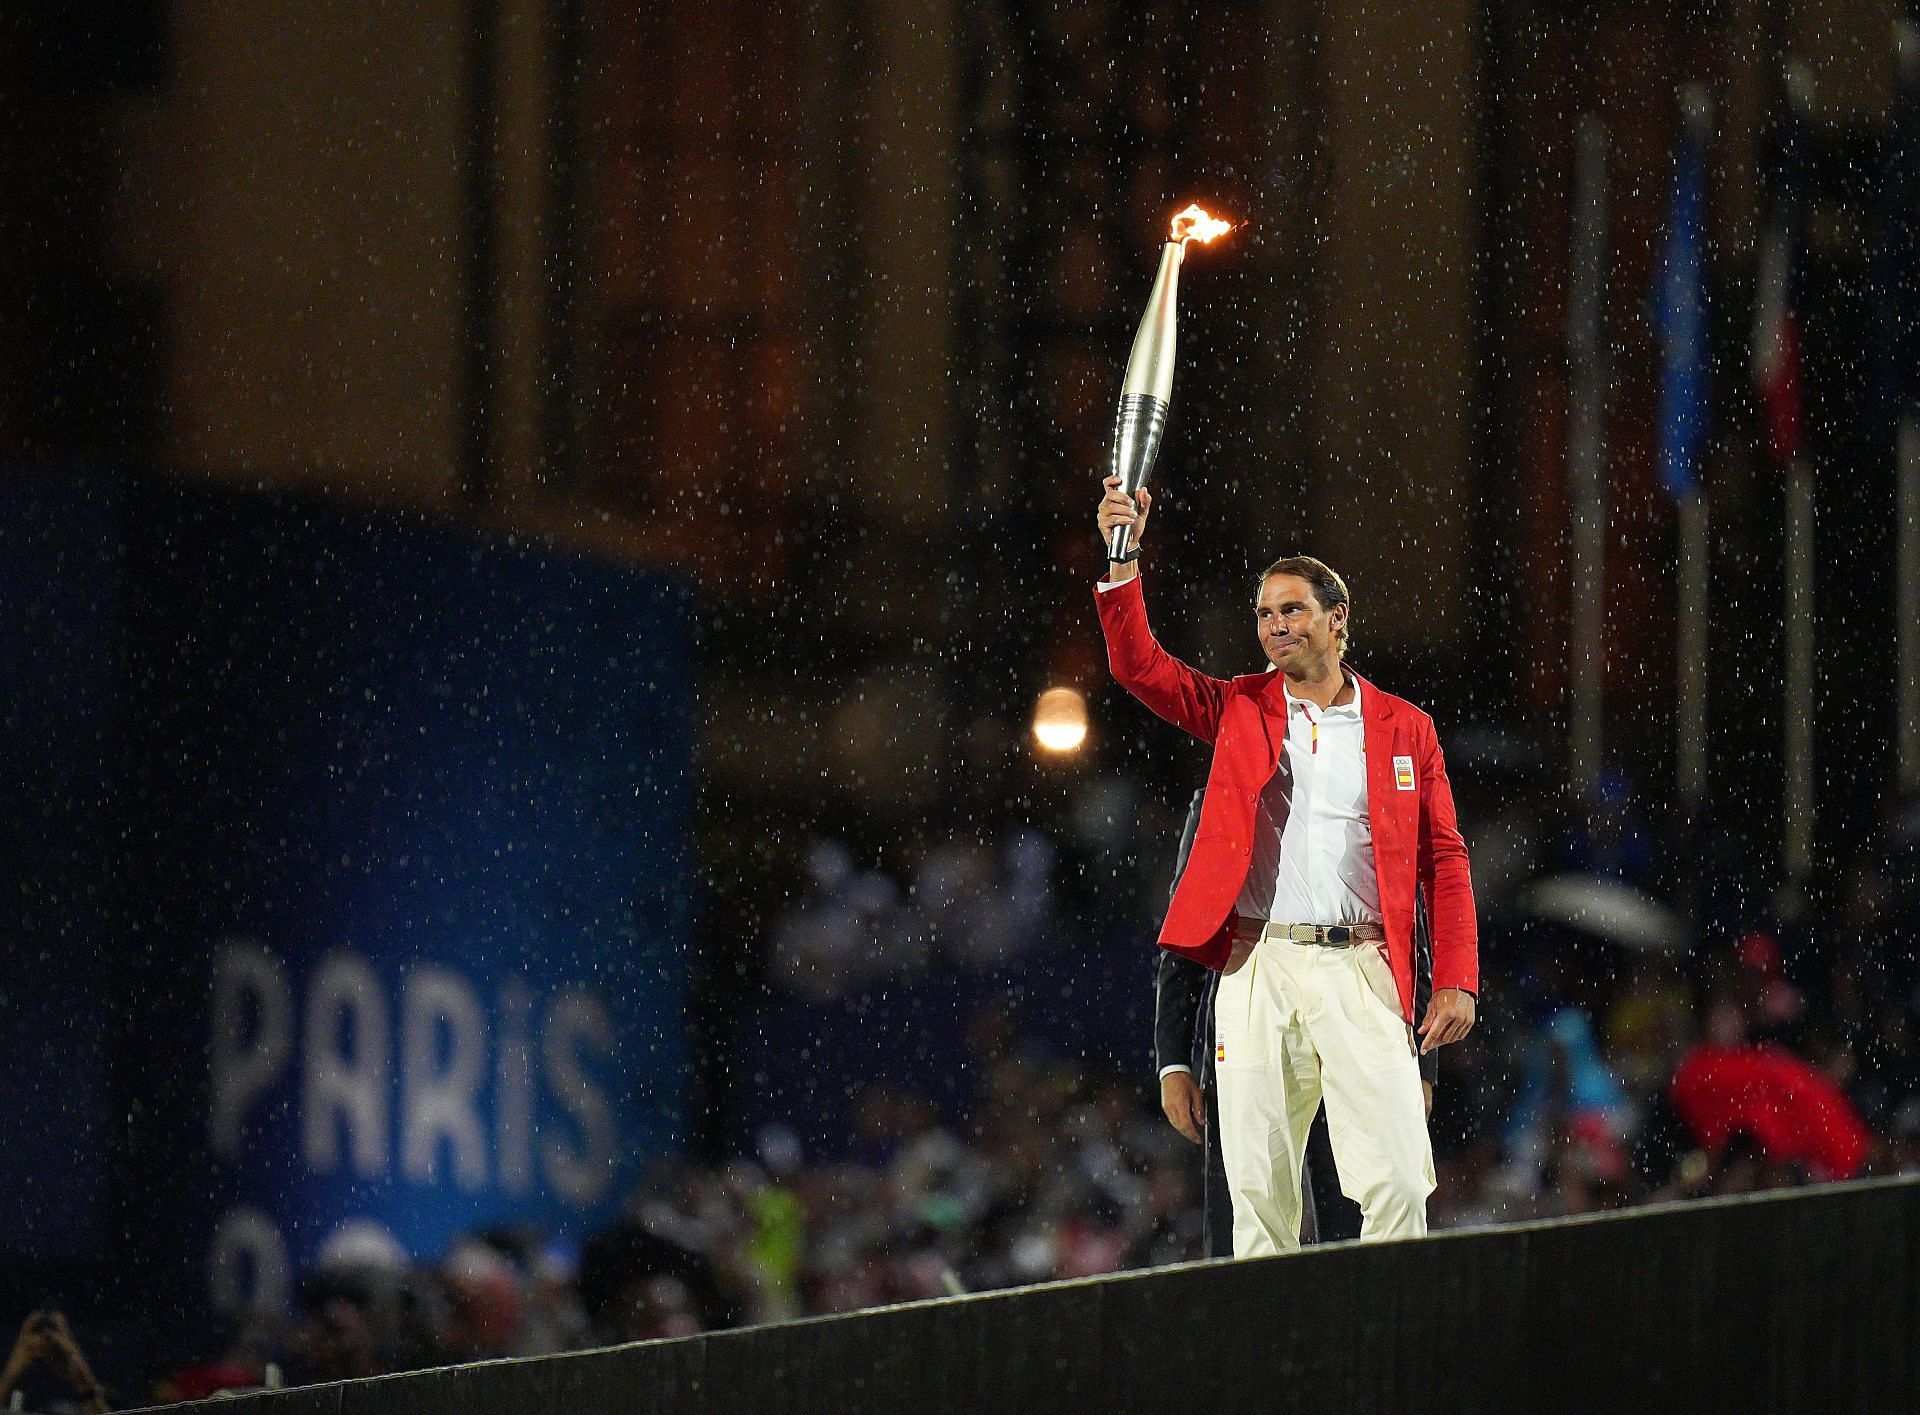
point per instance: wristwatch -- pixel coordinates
(1127, 559)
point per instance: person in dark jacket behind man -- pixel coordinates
(1183, 1052)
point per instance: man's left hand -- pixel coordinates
(1449, 1018)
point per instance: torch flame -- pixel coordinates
(1194, 224)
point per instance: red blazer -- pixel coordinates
(1416, 842)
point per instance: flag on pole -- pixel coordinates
(1680, 325)
(1776, 296)
(1680, 307)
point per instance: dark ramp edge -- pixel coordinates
(1805, 1300)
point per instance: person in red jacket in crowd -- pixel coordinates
(1327, 813)
(1728, 1086)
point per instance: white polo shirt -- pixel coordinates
(1312, 842)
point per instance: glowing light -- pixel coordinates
(1060, 720)
(1195, 224)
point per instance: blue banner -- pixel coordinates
(399, 881)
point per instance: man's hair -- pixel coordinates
(1328, 587)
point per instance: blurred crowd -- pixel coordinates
(975, 904)
(1624, 1056)
(1631, 1057)
(1054, 1175)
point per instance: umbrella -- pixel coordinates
(1607, 909)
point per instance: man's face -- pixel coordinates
(1296, 634)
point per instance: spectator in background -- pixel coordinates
(241, 1359)
(1730, 1087)
(973, 904)
(336, 1339)
(484, 1307)
(46, 1343)
(1649, 1026)
(552, 1317)
(1612, 837)
(1571, 1108)
(843, 933)
(982, 907)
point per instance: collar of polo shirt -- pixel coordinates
(1309, 707)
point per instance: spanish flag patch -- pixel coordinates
(1219, 1051)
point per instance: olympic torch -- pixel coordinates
(1148, 386)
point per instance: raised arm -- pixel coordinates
(1176, 691)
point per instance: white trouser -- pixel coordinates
(1292, 1023)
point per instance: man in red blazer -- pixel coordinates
(1327, 810)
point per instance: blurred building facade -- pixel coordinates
(825, 302)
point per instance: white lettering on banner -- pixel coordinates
(578, 1019)
(252, 1035)
(440, 1098)
(342, 1083)
(513, 1090)
(365, 1096)
(247, 1268)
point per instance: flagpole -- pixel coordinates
(1906, 584)
(1798, 823)
(1907, 604)
(1797, 842)
(1696, 563)
(1696, 551)
(1779, 378)
(1586, 463)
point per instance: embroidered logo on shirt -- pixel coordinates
(1220, 1051)
(1403, 773)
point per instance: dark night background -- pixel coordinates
(719, 394)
